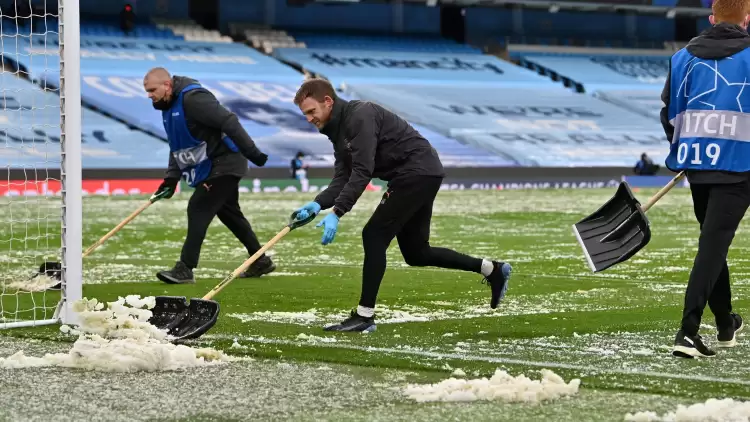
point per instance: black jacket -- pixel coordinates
(207, 120)
(720, 41)
(371, 142)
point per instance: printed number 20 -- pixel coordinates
(712, 151)
(190, 176)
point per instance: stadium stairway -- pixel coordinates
(262, 38)
(587, 69)
(191, 31)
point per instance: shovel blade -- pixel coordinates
(201, 317)
(169, 312)
(615, 232)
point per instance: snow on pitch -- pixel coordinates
(501, 386)
(119, 339)
(713, 410)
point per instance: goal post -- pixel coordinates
(71, 176)
(41, 155)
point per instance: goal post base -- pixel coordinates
(29, 323)
(65, 313)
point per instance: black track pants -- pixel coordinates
(405, 212)
(217, 197)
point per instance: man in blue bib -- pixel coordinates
(209, 149)
(706, 118)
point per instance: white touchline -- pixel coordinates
(480, 358)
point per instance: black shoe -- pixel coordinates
(498, 281)
(180, 274)
(355, 323)
(728, 337)
(686, 346)
(262, 266)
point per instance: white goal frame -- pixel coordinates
(71, 175)
(71, 178)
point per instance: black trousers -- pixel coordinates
(405, 213)
(217, 197)
(719, 208)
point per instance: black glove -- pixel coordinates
(260, 160)
(167, 188)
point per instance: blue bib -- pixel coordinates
(708, 107)
(189, 153)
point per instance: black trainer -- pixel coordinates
(262, 266)
(728, 337)
(180, 274)
(686, 346)
(355, 323)
(498, 281)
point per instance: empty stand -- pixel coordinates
(597, 72)
(397, 43)
(30, 129)
(267, 40)
(370, 66)
(645, 102)
(191, 31)
(476, 109)
(48, 24)
(263, 38)
(530, 127)
(631, 79)
(104, 29)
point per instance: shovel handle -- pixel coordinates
(663, 191)
(122, 224)
(245, 265)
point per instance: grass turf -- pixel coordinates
(613, 330)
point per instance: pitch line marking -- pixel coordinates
(489, 359)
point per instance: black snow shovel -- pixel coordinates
(619, 229)
(184, 320)
(53, 269)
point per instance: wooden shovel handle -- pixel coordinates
(663, 191)
(245, 265)
(117, 228)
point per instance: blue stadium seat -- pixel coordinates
(406, 43)
(109, 29)
(31, 115)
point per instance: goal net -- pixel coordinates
(40, 162)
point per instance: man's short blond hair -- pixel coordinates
(730, 11)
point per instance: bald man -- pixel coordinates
(209, 149)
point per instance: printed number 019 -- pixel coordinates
(712, 151)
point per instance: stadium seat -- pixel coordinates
(405, 43)
(191, 31)
(107, 143)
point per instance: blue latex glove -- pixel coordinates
(330, 224)
(306, 210)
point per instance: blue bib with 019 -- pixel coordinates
(190, 154)
(709, 107)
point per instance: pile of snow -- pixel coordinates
(501, 386)
(119, 339)
(39, 283)
(727, 410)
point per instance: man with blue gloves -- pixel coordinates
(210, 149)
(706, 120)
(370, 141)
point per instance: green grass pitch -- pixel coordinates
(613, 330)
